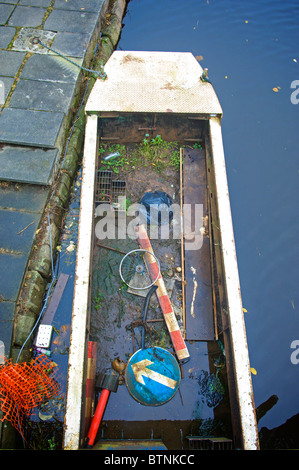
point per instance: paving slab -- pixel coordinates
(5, 12)
(7, 310)
(42, 96)
(11, 62)
(51, 68)
(11, 275)
(71, 21)
(80, 5)
(29, 127)
(27, 165)
(23, 197)
(17, 231)
(27, 16)
(71, 44)
(6, 35)
(36, 3)
(5, 86)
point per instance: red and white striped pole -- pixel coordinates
(165, 304)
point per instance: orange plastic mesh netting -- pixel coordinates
(23, 387)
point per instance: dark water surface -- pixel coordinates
(250, 48)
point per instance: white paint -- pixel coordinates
(80, 303)
(235, 309)
(147, 81)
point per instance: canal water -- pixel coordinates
(252, 53)
(251, 49)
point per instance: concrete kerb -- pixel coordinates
(38, 271)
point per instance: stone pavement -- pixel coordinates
(37, 90)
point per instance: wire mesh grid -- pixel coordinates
(110, 191)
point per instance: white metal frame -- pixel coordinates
(80, 303)
(233, 291)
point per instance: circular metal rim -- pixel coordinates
(134, 251)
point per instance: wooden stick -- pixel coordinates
(110, 248)
(25, 227)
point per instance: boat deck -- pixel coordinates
(201, 405)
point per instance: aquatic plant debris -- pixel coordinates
(211, 389)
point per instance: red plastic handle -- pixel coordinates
(96, 420)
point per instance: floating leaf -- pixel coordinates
(276, 89)
(253, 370)
(71, 247)
(244, 310)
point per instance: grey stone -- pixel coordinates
(10, 62)
(71, 44)
(6, 35)
(23, 327)
(27, 165)
(5, 12)
(7, 310)
(42, 96)
(80, 5)
(50, 68)
(11, 275)
(24, 197)
(14, 240)
(28, 127)
(35, 3)
(72, 21)
(27, 16)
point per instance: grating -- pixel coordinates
(209, 443)
(27, 40)
(110, 191)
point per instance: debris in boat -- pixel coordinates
(120, 367)
(108, 382)
(111, 156)
(71, 247)
(211, 389)
(164, 301)
(134, 266)
(157, 206)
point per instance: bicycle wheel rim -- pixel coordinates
(135, 256)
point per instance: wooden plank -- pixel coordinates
(90, 385)
(55, 299)
(198, 292)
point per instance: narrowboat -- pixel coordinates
(158, 337)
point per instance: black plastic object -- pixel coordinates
(157, 208)
(144, 312)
